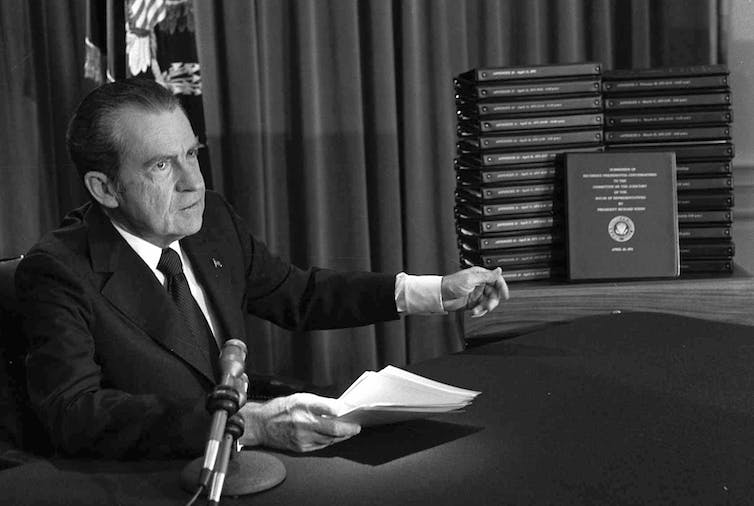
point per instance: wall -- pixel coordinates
(741, 63)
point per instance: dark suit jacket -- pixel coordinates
(109, 369)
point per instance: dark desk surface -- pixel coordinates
(634, 408)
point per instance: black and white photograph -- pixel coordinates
(376, 252)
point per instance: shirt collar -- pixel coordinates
(146, 250)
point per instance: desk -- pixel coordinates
(534, 305)
(632, 408)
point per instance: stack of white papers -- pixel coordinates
(394, 395)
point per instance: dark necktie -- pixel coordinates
(178, 288)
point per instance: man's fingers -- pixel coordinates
(486, 303)
(475, 296)
(502, 287)
(314, 442)
(478, 311)
(321, 413)
(460, 289)
(485, 279)
(491, 296)
(335, 428)
(321, 442)
(321, 432)
(495, 292)
(315, 404)
(480, 275)
(476, 288)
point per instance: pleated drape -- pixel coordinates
(41, 82)
(331, 129)
(313, 160)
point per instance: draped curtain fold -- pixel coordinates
(331, 128)
(41, 63)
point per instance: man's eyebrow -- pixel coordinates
(155, 159)
(196, 145)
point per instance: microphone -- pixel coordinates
(232, 359)
(233, 430)
(223, 402)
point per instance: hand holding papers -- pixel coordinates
(394, 395)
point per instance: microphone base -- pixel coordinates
(249, 472)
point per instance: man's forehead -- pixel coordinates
(150, 131)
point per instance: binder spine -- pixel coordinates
(683, 118)
(483, 177)
(665, 135)
(515, 125)
(700, 184)
(719, 232)
(492, 227)
(484, 92)
(650, 85)
(496, 109)
(534, 72)
(661, 101)
(664, 72)
(697, 217)
(515, 258)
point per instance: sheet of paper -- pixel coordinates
(393, 395)
(367, 416)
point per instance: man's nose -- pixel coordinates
(190, 177)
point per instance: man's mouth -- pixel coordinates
(191, 206)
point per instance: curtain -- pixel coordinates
(41, 69)
(331, 129)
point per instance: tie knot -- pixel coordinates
(170, 263)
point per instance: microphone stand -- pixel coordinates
(233, 430)
(234, 472)
(242, 472)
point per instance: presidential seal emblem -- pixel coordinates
(621, 228)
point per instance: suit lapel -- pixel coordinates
(133, 289)
(208, 264)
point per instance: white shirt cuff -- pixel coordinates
(418, 294)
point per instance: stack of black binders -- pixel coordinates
(514, 124)
(686, 110)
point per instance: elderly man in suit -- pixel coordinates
(129, 301)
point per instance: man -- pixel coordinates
(127, 303)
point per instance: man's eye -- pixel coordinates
(161, 165)
(194, 152)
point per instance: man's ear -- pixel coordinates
(101, 188)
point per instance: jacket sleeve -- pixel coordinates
(313, 298)
(65, 385)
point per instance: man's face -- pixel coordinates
(160, 189)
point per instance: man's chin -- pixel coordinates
(189, 226)
(193, 227)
